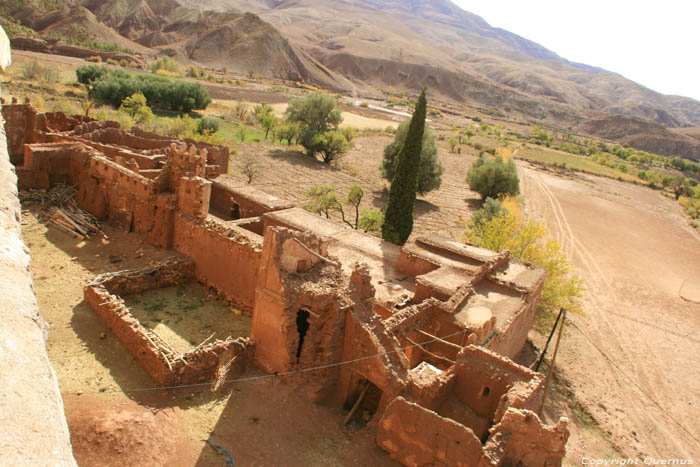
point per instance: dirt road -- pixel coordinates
(634, 358)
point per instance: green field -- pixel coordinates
(545, 155)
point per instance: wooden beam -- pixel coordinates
(451, 344)
(356, 405)
(435, 356)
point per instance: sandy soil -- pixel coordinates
(633, 359)
(445, 210)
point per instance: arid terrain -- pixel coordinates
(365, 49)
(627, 371)
(633, 358)
(634, 258)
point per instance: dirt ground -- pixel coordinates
(445, 210)
(116, 415)
(633, 359)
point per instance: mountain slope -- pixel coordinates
(438, 34)
(241, 42)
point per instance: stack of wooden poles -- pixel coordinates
(59, 205)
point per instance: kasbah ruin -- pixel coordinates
(424, 332)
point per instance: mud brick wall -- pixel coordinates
(202, 362)
(118, 194)
(197, 366)
(483, 377)
(20, 120)
(511, 339)
(223, 198)
(522, 439)
(414, 435)
(46, 165)
(193, 197)
(170, 273)
(112, 311)
(226, 258)
(185, 161)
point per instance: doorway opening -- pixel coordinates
(302, 328)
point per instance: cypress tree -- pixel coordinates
(398, 221)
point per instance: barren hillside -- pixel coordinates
(364, 46)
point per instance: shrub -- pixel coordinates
(207, 125)
(94, 59)
(371, 220)
(168, 65)
(430, 169)
(492, 178)
(136, 107)
(113, 86)
(490, 209)
(36, 71)
(453, 142)
(331, 145)
(349, 133)
(65, 106)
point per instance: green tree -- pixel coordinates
(324, 200)
(398, 220)
(316, 114)
(354, 198)
(430, 169)
(261, 110)
(268, 122)
(137, 108)
(331, 145)
(493, 177)
(287, 131)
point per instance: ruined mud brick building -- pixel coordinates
(422, 335)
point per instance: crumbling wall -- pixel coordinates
(153, 354)
(33, 429)
(227, 258)
(19, 128)
(119, 195)
(290, 282)
(193, 197)
(229, 196)
(522, 439)
(46, 164)
(483, 378)
(166, 274)
(416, 436)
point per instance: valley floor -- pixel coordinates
(632, 361)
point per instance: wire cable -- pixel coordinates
(688, 432)
(274, 375)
